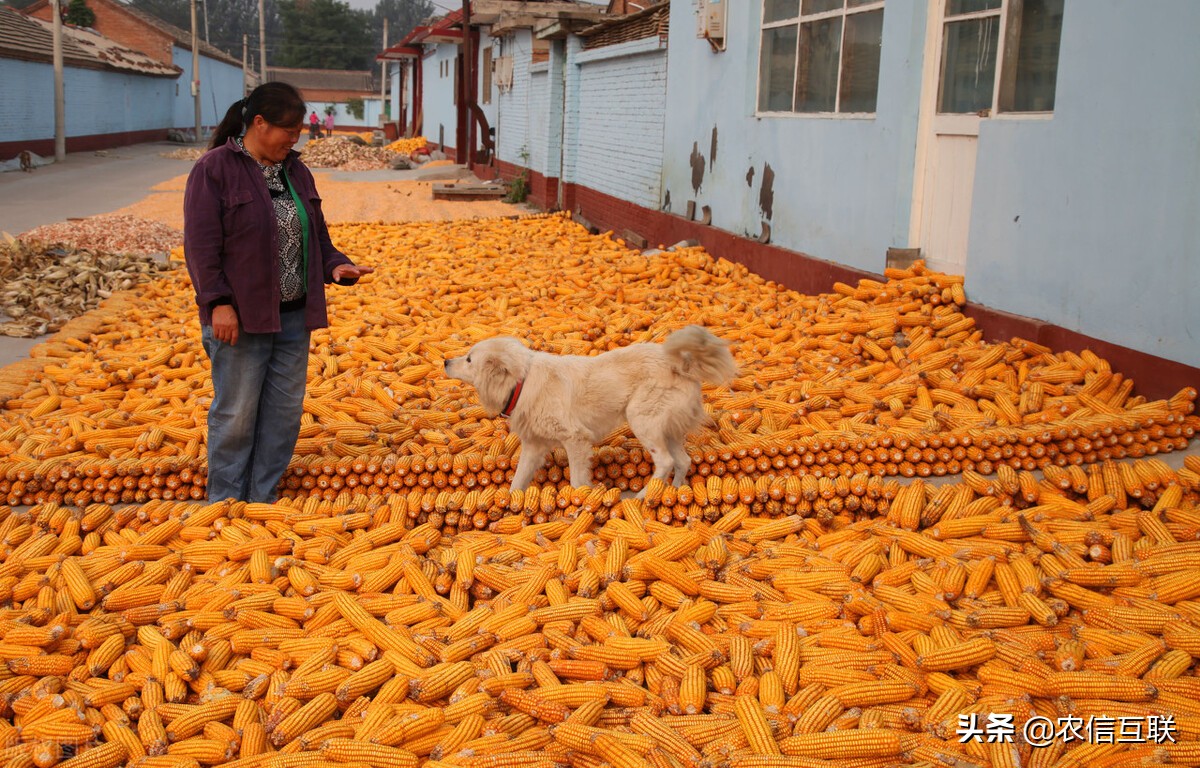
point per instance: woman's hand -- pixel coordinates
(225, 324)
(350, 272)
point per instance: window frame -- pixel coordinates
(489, 64)
(1008, 60)
(796, 21)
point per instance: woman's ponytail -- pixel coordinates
(231, 125)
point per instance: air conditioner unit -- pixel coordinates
(711, 22)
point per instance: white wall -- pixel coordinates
(539, 103)
(438, 95)
(513, 108)
(618, 146)
(342, 118)
(490, 109)
(1091, 219)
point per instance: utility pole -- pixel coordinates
(205, 21)
(383, 83)
(196, 70)
(468, 85)
(262, 41)
(60, 100)
(245, 56)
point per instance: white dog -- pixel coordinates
(574, 401)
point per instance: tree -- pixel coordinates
(401, 15)
(325, 34)
(228, 20)
(177, 12)
(79, 14)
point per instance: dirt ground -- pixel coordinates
(389, 202)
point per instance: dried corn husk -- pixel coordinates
(46, 286)
(115, 233)
(188, 153)
(338, 152)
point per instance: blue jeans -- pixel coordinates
(254, 419)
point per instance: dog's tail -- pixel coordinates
(701, 355)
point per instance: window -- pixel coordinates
(820, 56)
(1017, 38)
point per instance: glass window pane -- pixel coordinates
(857, 3)
(821, 6)
(957, 7)
(778, 10)
(860, 61)
(816, 78)
(1037, 56)
(777, 69)
(969, 65)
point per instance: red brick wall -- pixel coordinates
(45, 147)
(1156, 377)
(117, 24)
(543, 191)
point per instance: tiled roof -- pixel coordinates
(182, 38)
(651, 22)
(24, 37)
(348, 81)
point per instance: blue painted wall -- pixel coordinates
(221, 84)
(841, 185)
(1091, 220)
(97, 102)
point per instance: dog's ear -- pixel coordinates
(494, 382)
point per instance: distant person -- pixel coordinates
(259, 256)
(314, 126)
(328, 123)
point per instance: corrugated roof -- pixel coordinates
(30, 39)
(347, 81)
(654, 21)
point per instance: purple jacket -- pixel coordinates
(229, 239)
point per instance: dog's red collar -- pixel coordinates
(512, 400)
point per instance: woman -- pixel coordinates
(259, 255)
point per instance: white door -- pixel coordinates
(960, 90)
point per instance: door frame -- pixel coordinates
(930, 121)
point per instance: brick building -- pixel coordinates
(221, 79)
